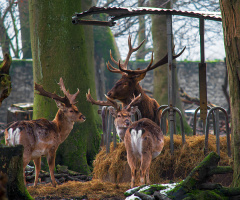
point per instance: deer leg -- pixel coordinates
(144, 168)
(37, 162)
(132, 161)
(51, 164)
(26, 160)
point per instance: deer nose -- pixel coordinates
(109, 94)
(127, 122)
(83, 117)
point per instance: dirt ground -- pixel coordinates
(95, 189)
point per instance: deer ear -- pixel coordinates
(113, 112)
(60, 105)
(140, 77)
(133, 110)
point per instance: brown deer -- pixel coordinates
(42, 137)
(144, 141)
(128, 85)
(122, 115)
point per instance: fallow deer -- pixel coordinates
(128, 85)
(42, 137)
(144, 141)
(122, 115)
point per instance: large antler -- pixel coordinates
(135, 100)
(109, 102)
(124, 65)
(43, 92)
(163, 61)
(71, 97)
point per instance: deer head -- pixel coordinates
(129, 82)
(122, 115)
(66, 104)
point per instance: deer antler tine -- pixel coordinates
(43, 92)
(130, 51)
(71, 97)
(114, 103)
(135, 49)
(114, 70)
(179, 53)
(113, 58)
(100, 103)
(135, 100)
(150, 64)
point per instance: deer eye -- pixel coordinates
(119, 116)
(71, 111)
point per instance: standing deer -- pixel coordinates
(128, 85)
(42, 137)
(143, 141)
(122, 115)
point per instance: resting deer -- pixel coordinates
(143, 141)
(122, 115)
(42, 137)
(128, 85)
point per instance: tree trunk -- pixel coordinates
(159, 34)
(11, 164)
(231, 29)
(4, 38)
(60, 49)
(141, 33)
(25, 30)
(103, 42)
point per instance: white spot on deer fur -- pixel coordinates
(136, 140)
(118, 131)
(13, 136)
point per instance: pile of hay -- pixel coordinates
(114, 167)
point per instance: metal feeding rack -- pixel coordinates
(115, 13)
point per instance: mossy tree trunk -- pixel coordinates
(103, 42)
(25, 30)
(11, 164)
(61, 49)
(231, 29)
(159, 34)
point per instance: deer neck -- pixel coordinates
(138, 90)
(64, 125)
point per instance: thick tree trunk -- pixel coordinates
(4, 39)
(159, 34)
(25, 30)
(103, 42)
(231, 28)
(11, 164)
(60, 50)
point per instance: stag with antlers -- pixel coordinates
(42, 137)
(128, 85)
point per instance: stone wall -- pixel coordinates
(21, 73)
(188, 79)
(22, 83)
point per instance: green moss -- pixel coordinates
(205, 195)
(153, 188)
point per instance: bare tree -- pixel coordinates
(9, 28)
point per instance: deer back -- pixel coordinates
(144, 136)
